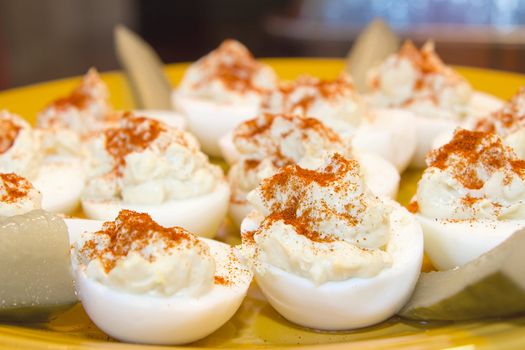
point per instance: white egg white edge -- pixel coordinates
(356, 302)
(391, 133)
(165, 320)
(171, 118)
(482, 103)
(454, 243)
(442, 139)
(209, 120)
(381, 177)
(202, 215)
(228, 150)
(60, 180)
(428, 129)
(238, 211)
(76, 226)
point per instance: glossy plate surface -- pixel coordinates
(256, 324)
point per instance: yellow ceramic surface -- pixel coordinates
(256, 324)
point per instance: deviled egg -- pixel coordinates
(86, 109)
(221, 90)
(327, 253)
(389, 134)
(36, 280)
(267, 143)
(60, 178)
(141, 282)
(470, 198)
(418, 81)
(145, 165)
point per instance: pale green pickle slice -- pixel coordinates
(35, 267)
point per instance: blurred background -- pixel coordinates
(43, 40)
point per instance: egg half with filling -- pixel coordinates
(84, 110)
(144, 283)
(418, 81)
(221, 90)
(470, 198)
(327, 253)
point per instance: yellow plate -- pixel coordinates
(256, 323)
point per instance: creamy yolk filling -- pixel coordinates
(321, 224)
(335, 102)
(475, 176)
(136, 255)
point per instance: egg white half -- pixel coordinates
(209, 120)
(390, 134)
(454, 243)
(482, 104)
(428, 129)
(380, 176)
(442, 139)
(75, 227)
(170, 118)
(238, 211)
(201, 215)
(352, 303)
(165, 320)
(61, 181)
(228, 150)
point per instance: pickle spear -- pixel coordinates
(35, 267)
